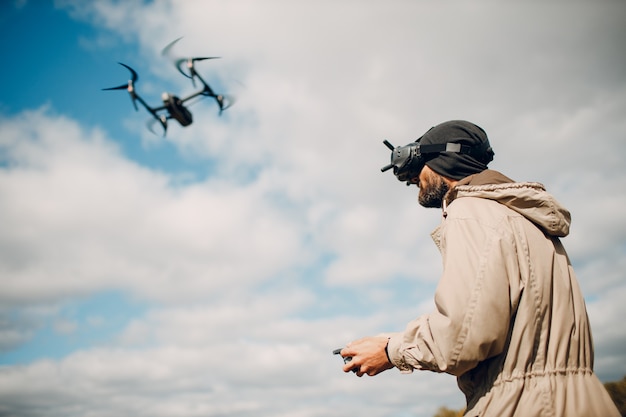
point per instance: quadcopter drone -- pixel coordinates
(174, 107)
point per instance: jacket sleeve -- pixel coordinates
(475, 299)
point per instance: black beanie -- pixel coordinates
(453, 164)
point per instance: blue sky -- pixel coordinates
(213, 270)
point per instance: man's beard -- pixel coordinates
(432, 195)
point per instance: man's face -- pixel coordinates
(433, 187)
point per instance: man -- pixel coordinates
(510, 320)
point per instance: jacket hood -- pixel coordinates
(530, 199)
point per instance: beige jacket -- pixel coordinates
(510, 320)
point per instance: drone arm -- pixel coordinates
(143, 103)
(207, 91)
(194, 95)
(154, 112)
(133, 98)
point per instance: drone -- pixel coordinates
(174, 107)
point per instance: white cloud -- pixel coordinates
(84, 218)
(254, 379)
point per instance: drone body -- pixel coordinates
(174, 107)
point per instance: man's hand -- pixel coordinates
(368, 356)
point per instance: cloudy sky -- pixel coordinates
(211, 272)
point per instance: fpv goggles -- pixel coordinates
(407, 161)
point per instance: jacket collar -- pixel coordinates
(485, 177)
